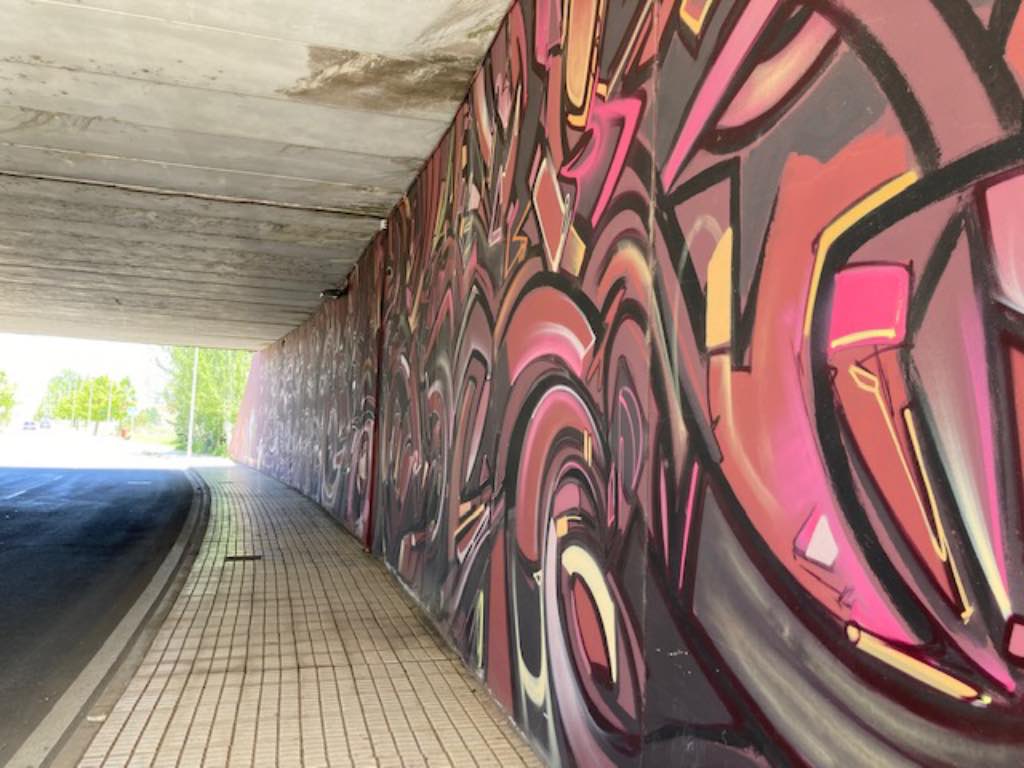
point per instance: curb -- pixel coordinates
(62, 737)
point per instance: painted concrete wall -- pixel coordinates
(698, 430)
(310, 404)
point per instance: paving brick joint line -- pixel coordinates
(310, 655)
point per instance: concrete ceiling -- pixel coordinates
(195, 171)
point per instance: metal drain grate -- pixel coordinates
(240, 558)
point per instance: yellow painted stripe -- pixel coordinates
(581, 20)
(562, 524)
(937, 542)
(847, 219)
(469, 519)
(868, 382)
(854, 338)
(879, 649)
(695, 23)
(718, 325)
(942, 543)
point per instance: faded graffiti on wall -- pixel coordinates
(699, 430)
(307, 417)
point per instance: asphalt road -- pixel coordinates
(76, 549)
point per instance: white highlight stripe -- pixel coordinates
(23, 491)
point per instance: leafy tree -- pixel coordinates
(6, 399)
(112, 400)
(220, 385)
(59, 399)
(72, 397)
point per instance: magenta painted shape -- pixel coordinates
(870, 306)
(613, 127)
(716, 83)
(1015, 638)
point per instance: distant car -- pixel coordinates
(45, 424)
(29, 425)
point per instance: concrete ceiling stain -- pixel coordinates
(366, 80)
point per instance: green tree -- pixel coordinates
(59, 399)
(112, 400)
(72, 397)
(124, 401)
(7, 400)
(220, 384)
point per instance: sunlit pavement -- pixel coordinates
(70, 448)
(288, 646)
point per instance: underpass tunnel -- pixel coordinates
(631, 383)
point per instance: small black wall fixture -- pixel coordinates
(335, 293)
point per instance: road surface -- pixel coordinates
(77, 546)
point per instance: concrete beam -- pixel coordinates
(173, 170)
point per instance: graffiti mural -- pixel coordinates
(307, 417)
(702, 382)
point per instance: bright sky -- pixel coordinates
(31, 361)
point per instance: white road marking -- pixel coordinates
(23, 491)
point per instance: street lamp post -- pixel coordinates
(192, 404)
(92, 384)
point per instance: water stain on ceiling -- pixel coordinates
(429, 83)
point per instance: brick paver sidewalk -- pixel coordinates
(308, 656)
